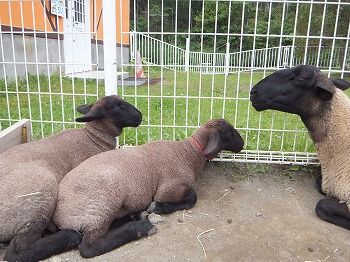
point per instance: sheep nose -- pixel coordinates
(239, 145)
(139, 119)
(253, 90)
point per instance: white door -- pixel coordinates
(77, 40)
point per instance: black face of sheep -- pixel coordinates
(301, 90)
(226, 138)
(122, 113)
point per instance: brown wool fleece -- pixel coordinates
(119, 182)
(30, 173)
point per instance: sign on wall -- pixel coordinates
(57, 7)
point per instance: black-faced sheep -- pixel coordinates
(30, 173)
(325, 110)
(157, 176)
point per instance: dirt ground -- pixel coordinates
(244, 213)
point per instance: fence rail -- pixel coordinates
(157, 52)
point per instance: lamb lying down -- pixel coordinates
(157, 176)
(30, 173)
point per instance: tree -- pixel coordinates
(322, 27)
(211, 24)
(164, 16)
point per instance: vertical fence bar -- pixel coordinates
(187, 55)
(109, 46)
(2, 39)
(227, 61)
(331, 60)
(344, 66)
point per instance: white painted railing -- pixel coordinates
(157, 52)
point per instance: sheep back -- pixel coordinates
(116, 183)
(18, 201)
(59, 153)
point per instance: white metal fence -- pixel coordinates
(34, 69)
(201, 59)
(157, 52)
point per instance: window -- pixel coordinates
(79, 11)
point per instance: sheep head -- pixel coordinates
(220, 135)
(301, 90)
(113, 109)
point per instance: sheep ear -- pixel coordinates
(340, 83)
(91, 115)
(324, 90)
(212, 149)
(84, 109)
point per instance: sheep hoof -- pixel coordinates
(141, 215)
(152, 207)
(144, 215)
(143, 228)
(155, 218)
(152, 231)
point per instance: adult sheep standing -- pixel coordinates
(325, 110)
(157, 176)
(30, 173)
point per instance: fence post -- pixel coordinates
(227, 59)
(132, 45)
(280, 57)
(109, 46)
(187, 55)
(285, 56)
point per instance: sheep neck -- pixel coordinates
(329, 132)
(190, 154)
(328, 125)
(199, 146)
(102, 134)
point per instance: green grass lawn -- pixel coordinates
(188, 100)
(172, 109)
(49, 102)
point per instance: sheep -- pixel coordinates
(30, 173)
(325, 110)
(157, 177)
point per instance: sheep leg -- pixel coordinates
(46, 247)
(118, 222)
(22, 241)
(189, 200)
(334, 212)
(318, 184)
(115, 238)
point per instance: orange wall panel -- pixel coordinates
(33, 15)
(123, 25)
(122, 20)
